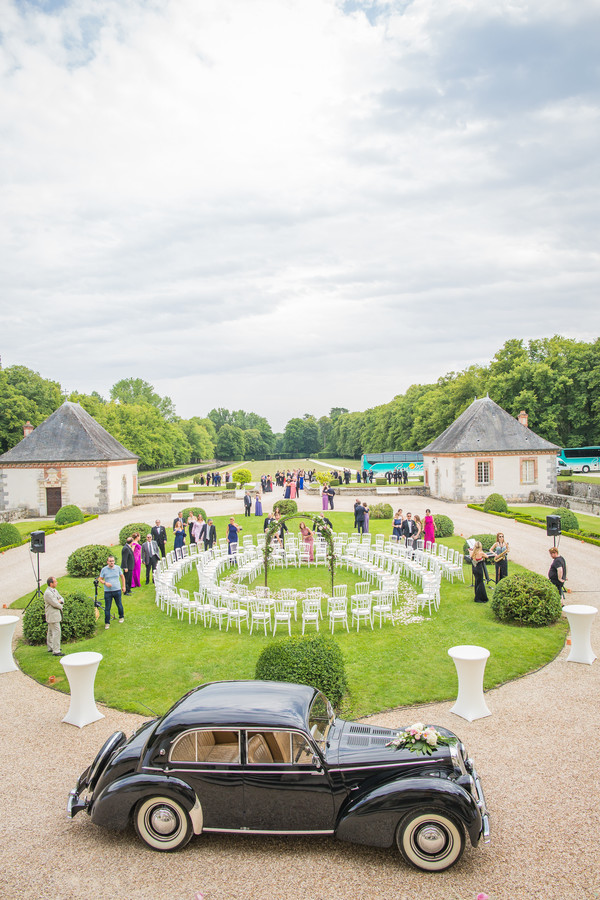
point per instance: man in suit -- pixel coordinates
(210, 535)
(159, 534)
(127, 564)
(330, 496)
(359, 517)
(150, 556)
(53, 604)
(268, 521)
(404, 476)
(409, 528)
(247, 503)
(179, 519)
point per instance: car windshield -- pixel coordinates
(320, 719)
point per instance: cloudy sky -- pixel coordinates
(289, 205)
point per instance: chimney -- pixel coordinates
(27, 428)
(523, 418)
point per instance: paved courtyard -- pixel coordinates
(537, 755)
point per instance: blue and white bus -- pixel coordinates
(580, 459)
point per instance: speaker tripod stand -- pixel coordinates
(38, 591)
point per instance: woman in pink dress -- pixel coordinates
(137, 566)
(325, 497)
(293, 488)
(308, 540)
(428, 528)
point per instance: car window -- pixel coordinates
(320, 719)
(278, 747)
(207, 745)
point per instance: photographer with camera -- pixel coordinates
(113, 579)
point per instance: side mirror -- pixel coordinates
(316, 761)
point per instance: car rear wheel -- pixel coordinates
(431, 840)
(163, 824)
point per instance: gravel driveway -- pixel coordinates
(537, 755)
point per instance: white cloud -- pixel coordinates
(287, 207)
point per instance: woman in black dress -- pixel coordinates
(477, 559)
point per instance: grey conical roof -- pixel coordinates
(69, 435)
(485, 427)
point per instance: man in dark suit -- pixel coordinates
(150, 556)
(210, 535)
(330, 496)
(247, 503)
(404, 476)
(409, 528)
(127, 564)
(180, 520)
(268, 522)
(359, 517)
(159, 534)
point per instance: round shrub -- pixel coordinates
(198, 479)
(286, 507)
(568, 519)
(381, 511)
(86, 562)
(444, 526)
(527, 599)
(78, 622)
(241, 476)
(68, 514)
(486, 541)
(316, 660)
(193, 510)
(141, 528)
(322, 477)
(495, 503)
(9, 534)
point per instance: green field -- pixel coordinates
(586, 521)
(152, 658)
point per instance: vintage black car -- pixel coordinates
(265, 757)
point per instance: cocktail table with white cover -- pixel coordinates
(580, 619)
(7, 630)
(470, 663)
(80, 669)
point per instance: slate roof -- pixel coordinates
(69, 435)
(484, 427)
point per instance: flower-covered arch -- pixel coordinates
(319, 525)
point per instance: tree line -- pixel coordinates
(556, 380)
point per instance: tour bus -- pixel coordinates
(580, 459)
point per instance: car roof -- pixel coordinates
(266, 704)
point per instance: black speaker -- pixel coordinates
(552, 525)
(38, 541)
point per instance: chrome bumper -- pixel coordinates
(485, 820)
(75, 805)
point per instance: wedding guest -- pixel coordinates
(367, 516)
(136, 579)
(428, 528)
(308, 540)
(150, 556)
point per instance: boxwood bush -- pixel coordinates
(527, 599)
(142, 528)
(496, 503)
(9, 534)
(286, 507)
(486, 541)
(78, 622)
(315, 660)
(183, 487)
(381, 511)
(444, 526)
(381, 481)
(230, 486)
(568, 519)
(195, 510)
(86, 562)
(68, 514)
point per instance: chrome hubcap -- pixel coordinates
(163, 820)
(431, 839)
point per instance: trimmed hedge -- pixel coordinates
(86, 562)
(183, 487)
(68, 515)
(316, 660)
(195, 510)
(142, 528)
(230, 486)
(9, 535)
(568, 519)
(486, 542)
(495, 502)
(527, 599)
(286, 507)
(444, 526)
(381, 511)
(381, 481)
(78, 619)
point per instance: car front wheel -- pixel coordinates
(163, 824)
(430, 839)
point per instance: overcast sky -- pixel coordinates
(289, 205)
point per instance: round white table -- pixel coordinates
(80, 669)
(7, 630)
(581, 619)
(470, 663)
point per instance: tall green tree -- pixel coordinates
(24, 395)
(136, 390)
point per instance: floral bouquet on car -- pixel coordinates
(420, 739)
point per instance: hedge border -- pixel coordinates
(529, 520)
(50, 529)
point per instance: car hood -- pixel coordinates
(354, 744)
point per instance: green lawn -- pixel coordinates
(153, 659)
(588, 479)
(586, 521)
(257, 468)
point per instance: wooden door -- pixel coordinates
(53, 501)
